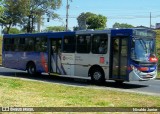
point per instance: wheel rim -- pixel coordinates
(97, 75)
(31, 70)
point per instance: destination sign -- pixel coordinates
(144, 33)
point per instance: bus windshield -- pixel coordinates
(142, 49)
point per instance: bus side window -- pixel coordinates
(6, 44)
(12, 48)
(9, 44)
(69, 44)
(59, 46)
(41, 44)
(99, 43)
(22, 44)
(29, 44)
(83, 44)
(16, 44)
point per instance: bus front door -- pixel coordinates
(119, 58)
(55, 55)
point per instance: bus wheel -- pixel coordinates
(31, 69)
(97, 76)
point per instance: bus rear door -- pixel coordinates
(119, 58)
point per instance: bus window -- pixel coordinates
(56, 45)
(16, 44)
(99, 43)
(41, 44)
(59, 45)
(83, 44)
(29, 44)
(6, 44)
(69, 44)
(9, 44)
(22, 44)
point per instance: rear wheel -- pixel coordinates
(97, 76)
(31, 69)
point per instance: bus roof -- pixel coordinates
(48, 34)
(88, 31)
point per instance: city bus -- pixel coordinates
(100, 55)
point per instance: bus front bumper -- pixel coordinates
(136, 75)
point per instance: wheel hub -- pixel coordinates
(97, 75)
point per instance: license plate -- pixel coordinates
(148, 76)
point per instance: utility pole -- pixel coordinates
(67, 8)
(150, 19)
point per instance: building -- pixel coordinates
(157, 25)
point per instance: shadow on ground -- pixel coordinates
(70, 81)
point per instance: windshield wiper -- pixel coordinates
(143, 45)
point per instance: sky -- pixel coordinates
(134, 12)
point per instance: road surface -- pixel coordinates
(151, 87)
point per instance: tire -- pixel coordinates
(31, 69)
(97, 76)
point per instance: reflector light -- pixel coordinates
(102, 60)
(143, 68)
(129, 68)
(153, 59)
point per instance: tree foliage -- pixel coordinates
(12, 31)
(13, 13)
(91, 21)
(38, 8)
(158, 44)
(96, 22)
(75, 28)
(55, 28)
(122, 25)
(26, 13)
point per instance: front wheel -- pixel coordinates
(31, 69)
(97, 76)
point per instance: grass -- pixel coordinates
(24, 93)
(0, 50)
(158, 48)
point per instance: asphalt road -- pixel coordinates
(151, 87)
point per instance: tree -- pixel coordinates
(75, 28)
(1, 11)
(91, 21)
(13, 13)
(96, 22)
(55, 28)
(26, 13)
(12, 31)
(38, 8)
(122, 25)
(82, 18)
(1, 8)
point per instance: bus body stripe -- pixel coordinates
(63, 70)
(43, 63)
(54, 59)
